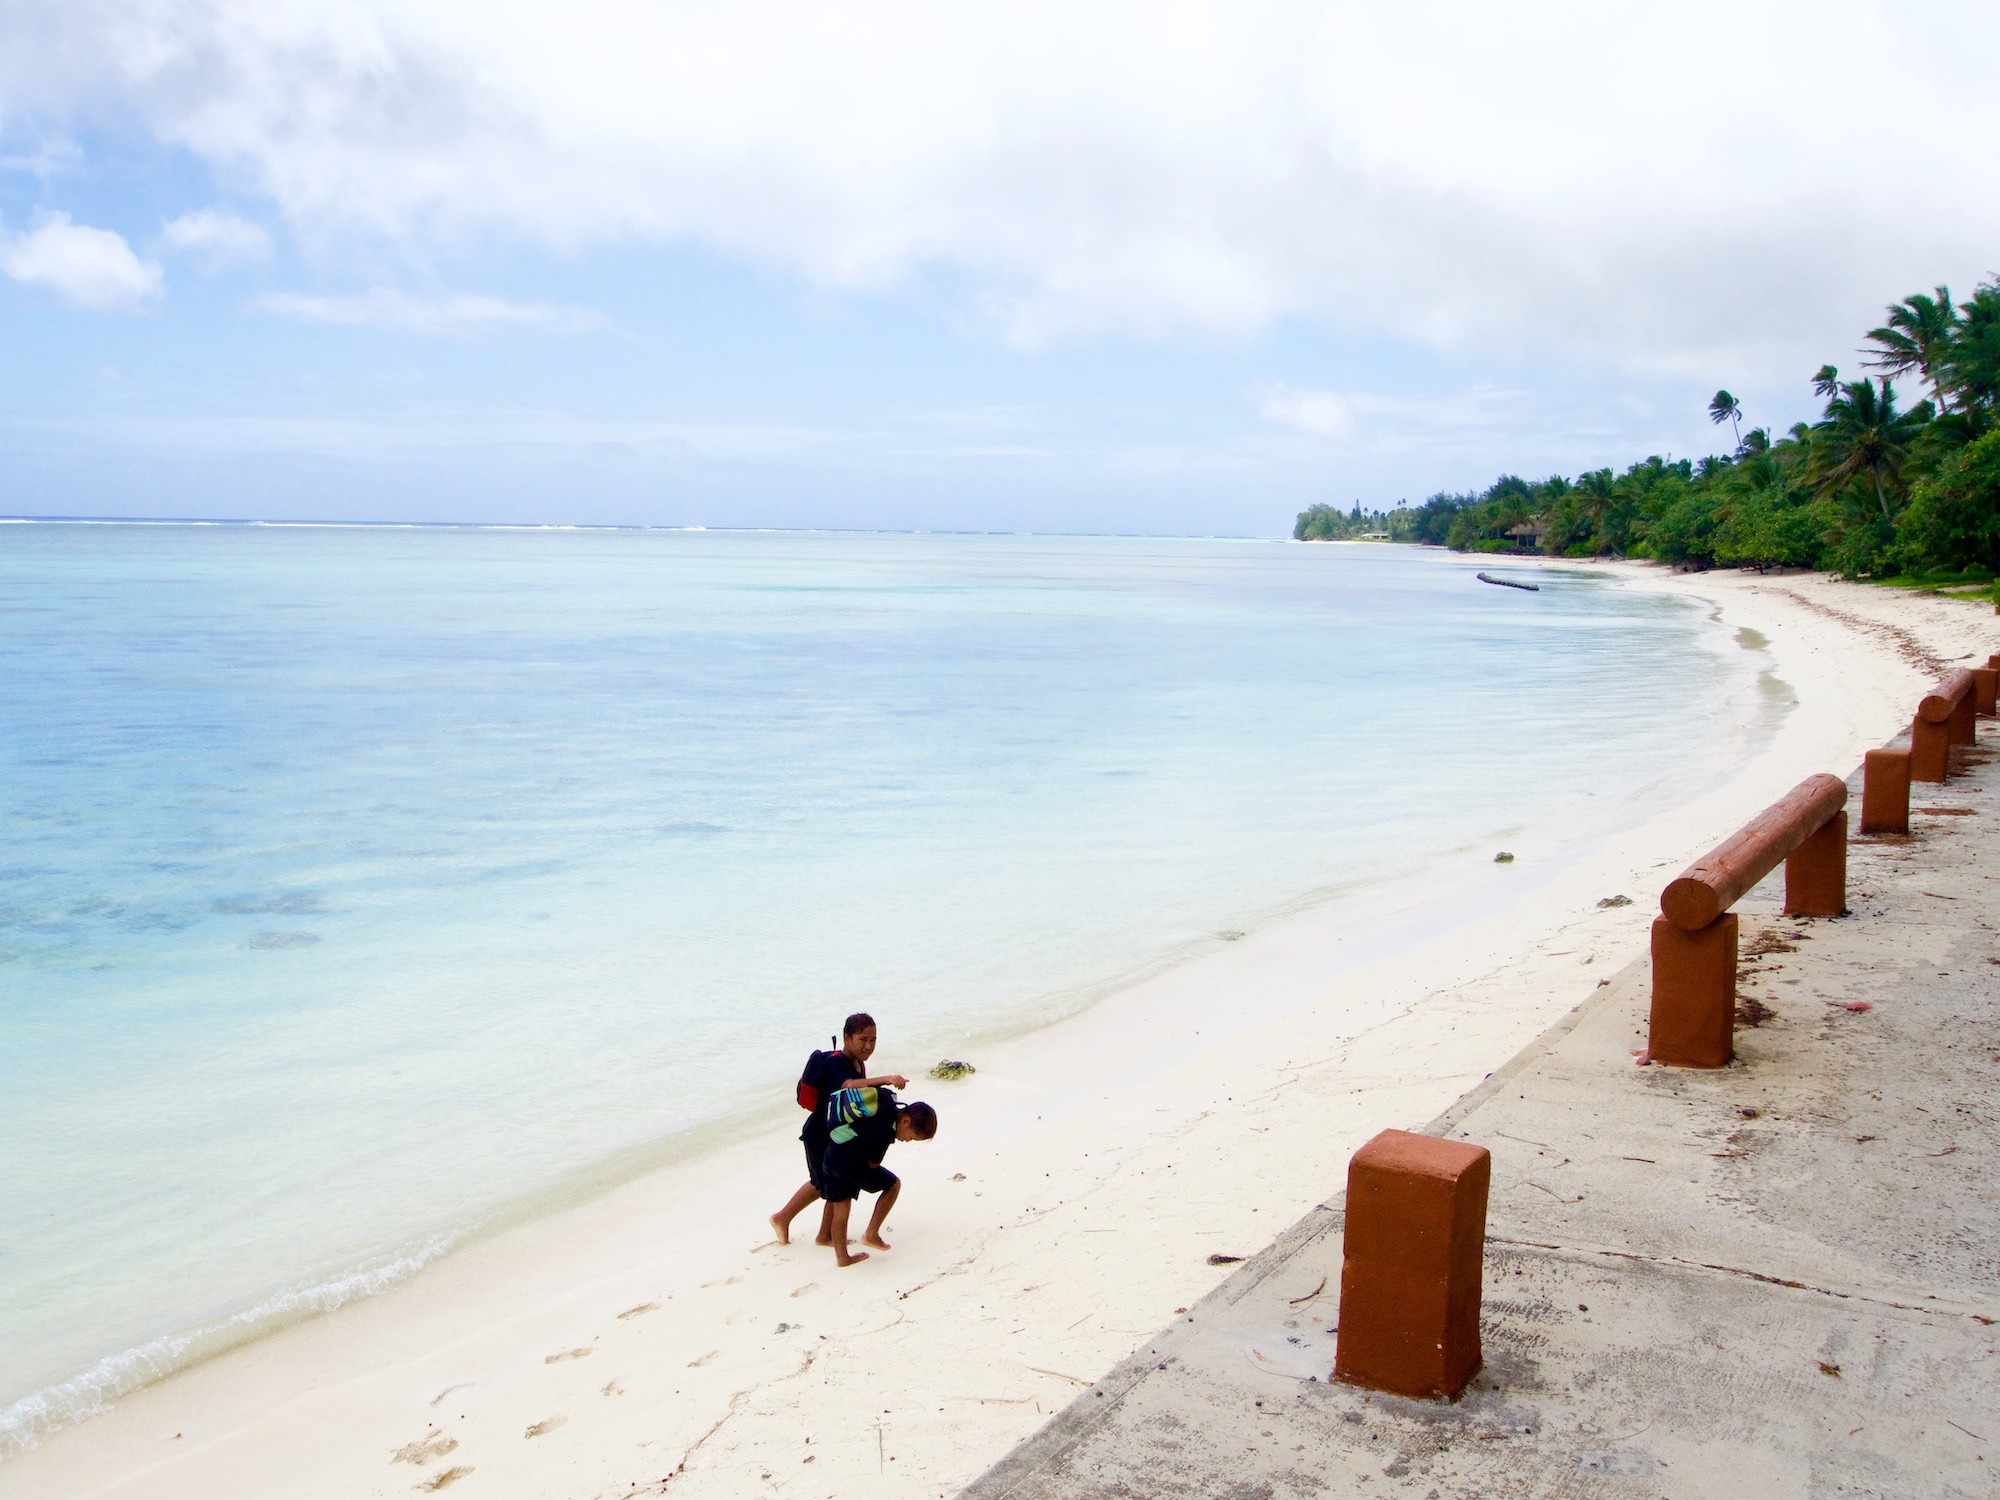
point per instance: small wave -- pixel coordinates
(25, 1423)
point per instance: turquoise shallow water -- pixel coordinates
(358, 884)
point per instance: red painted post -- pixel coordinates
(1693, 1020)
(1411, 1261)
(1944, 719)
(1985, 688)
(1965, 720)
(1930, 750)
(1885, 791)
(1816, 873)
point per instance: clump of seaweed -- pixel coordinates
(1503, 858)
(1750, 1011)
(950, 1069)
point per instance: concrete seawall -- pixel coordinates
(1777, 1278)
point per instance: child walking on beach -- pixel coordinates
(862, 1122)
(826, 1073)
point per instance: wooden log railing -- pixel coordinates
(1693, 1021)
(1944, 718)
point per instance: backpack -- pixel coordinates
(849, 1107)
(812, 1082)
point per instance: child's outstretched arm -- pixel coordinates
(887, 1080)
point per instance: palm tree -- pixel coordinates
(1972, 364)
(1726, 408)
(1863, 435)
(1918, 336)
(1593, 500)
(1826, 382)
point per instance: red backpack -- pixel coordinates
(812, 1090)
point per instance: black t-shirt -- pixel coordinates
(873, 1136)
(826, 1074)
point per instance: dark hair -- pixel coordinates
(859, 1021)
(923, 1119)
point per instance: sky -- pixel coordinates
(1152, 268)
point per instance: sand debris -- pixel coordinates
(424, 1449)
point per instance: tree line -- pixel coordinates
(1872, 489)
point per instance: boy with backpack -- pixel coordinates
(826, 1073)
(862, 1121)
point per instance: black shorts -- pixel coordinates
(815, 1174)
(843, 1186)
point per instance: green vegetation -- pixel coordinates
(1327, 523)
(1873, 489)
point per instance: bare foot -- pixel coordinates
(781, 1229)
(845, 1259)
(824, 1239)
(876, 1240)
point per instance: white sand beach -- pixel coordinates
(654, 1339)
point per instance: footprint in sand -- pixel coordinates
(643, 1307)
(810, 1286)
(449, 1476)
(545, 1426)
(696, 1364)
(558, 1358)
(612, 1388)
(424, 1449)
(727, 1281)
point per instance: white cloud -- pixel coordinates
(90, 267)
(1665, 184)
(217, 239)
(458, 312)
(1325, 414)
(1469, 423)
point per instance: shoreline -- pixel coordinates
(578, 1346)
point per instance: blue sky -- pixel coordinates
(1158, 268)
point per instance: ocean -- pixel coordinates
(363, 887)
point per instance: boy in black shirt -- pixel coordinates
(862, 1122)
(826, 1073)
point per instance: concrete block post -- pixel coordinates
(1816, 873)
(1930, 750)
(1985, 688)
(1411, 1261)
(1693, 1021)
(1885, 791)
(1965, 721)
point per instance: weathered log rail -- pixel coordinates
(1693, 1021)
